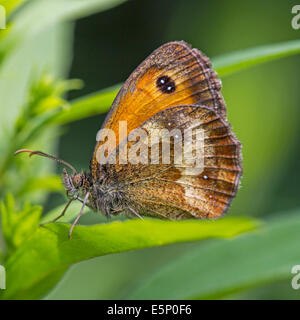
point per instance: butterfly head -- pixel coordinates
(76, 183)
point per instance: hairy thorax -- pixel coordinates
(106, 196)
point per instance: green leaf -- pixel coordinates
(2, 256)
(92, 104)
(69, 216)
(236, 61)
(38, 15)
(18, 225)
(49, 183)
(45, 94)
(41, 53)
(222, 267)
(11, 5)
(54, 252)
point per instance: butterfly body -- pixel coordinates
(106, 195)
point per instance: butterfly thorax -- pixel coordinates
(105, 195)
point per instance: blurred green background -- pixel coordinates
(263, 102)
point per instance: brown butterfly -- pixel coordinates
(174, 88)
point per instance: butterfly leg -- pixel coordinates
(62, 214)
(134, 212)
(115, 212)
(82, 200)
(80, 214)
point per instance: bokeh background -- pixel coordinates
(262, 103)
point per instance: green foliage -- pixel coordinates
(236, 61)
(54, 252)
(256, 258)
(37, 257)
(11, 5)
(18, 225)
(38, 15)
(44, 101)
(98, 102)
(46, 183)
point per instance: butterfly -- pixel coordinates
(174, 88)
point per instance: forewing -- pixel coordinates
(174, 74)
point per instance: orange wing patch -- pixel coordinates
(174, 74)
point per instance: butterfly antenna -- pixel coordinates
(42, 154)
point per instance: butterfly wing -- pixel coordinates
(174, 74)
(181, 189)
